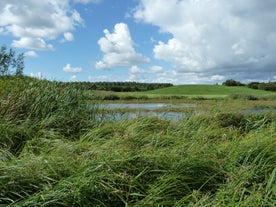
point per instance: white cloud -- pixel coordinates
(156, 69)
(214, 36)
(152, 74)
(36, 22)
(30, 53)
(87, 1)
(99, 78)
(182, 56)
(32, 43)
(69, 69)
(157, 74)
(73, 78)
(135, 69)
(68, 36)
(175, 77)
(118, 49)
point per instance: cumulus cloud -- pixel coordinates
(156, 69)
(118, 49)
(34, 23)
(87, 1)
(152, 74)
(30, 53)
(176, 77)
(73, 78)
(69, 69)
(135, 69)
(68, 36)
(214, 37)
(32, 43)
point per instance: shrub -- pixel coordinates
(111, 97)
(232, 82)
(199, 98)
(253, 85)
(243, 96)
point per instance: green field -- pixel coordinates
(206, 91)
(55, 152)
(187, 92)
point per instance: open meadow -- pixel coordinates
(55, 151)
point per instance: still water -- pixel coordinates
(149, 109)
(143, 109)
(147, 106)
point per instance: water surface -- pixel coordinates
(149, 109)
(147, 106)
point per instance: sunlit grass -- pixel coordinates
(186, 92)
(148, 161)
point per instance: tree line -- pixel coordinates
(269, 86)
(117, 86)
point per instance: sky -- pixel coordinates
(153, 41)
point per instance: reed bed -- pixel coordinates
(54, 153)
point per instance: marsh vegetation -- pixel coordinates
(55, 152)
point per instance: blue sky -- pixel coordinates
(176, 41)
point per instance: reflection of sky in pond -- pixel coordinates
(258, 110)
(176, 116)
(114, 116)
(148, 106)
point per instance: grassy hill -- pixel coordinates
(206, 91)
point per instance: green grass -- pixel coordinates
(200, 161)
(33, 106)
(185, 92)
(206, 90)
(54, 153)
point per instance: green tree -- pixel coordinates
(232, 82)
(9, 61)
(253, 85)
(19, 64)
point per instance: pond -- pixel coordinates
(134, 110)
(146, 106)
(118, 111)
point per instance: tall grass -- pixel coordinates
(214, 159)
(35, 106)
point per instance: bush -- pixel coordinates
(111, 97)
(199, 98)
(270, 86)
(232, 82)
(253, 85)
(243, 96)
